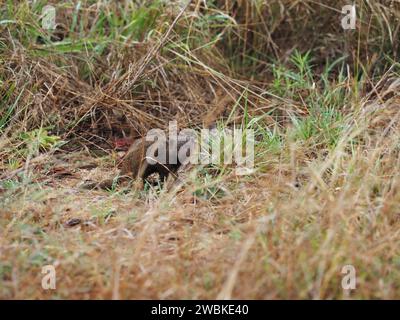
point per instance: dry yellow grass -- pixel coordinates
(325, 192)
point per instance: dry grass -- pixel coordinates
(323, 102)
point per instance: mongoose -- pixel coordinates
(137, 164)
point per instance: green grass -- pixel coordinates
(323, 104)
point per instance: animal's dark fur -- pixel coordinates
(136, 165)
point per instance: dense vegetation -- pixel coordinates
(323, 102)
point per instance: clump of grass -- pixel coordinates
(323, 104)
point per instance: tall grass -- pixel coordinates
(324, 106)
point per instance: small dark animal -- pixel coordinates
(136, 164)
